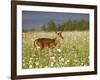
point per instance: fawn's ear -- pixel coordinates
(56, 32)
(60, 32)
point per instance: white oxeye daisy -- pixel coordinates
(52, 58)
(51, 64)
(32, 39)
(23, 60)
(31, 48)
(59, 50)
(31, 58)
(30, 62)
(75, 60)
(62, 59)
(30, 66)
(37, 63)
(67, 60)
(82, 63)
(23, 64)
(46, 66)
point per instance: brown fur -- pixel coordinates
(40, 43)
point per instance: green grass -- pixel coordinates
(74, 50)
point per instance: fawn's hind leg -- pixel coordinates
(37, 52)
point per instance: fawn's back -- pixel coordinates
(44, 42)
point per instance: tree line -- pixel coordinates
(69, 25)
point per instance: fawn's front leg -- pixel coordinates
(50, 51)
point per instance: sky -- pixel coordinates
(37, 19)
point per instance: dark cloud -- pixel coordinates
(37, 19)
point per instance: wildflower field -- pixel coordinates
(73, 50)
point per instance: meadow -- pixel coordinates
(72, 51)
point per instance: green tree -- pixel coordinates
(44, 28)
(75, 25)
(60, 27)
(67, 25)
(51, 26)
(32, 29)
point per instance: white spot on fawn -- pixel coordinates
(38, 47)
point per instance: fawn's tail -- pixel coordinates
(34, 44)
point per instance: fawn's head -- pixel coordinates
(59, 35)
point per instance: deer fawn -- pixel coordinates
(50, 43)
